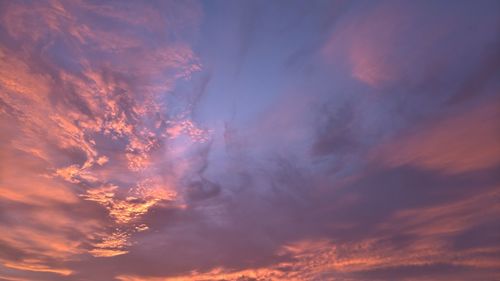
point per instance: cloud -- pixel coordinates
(306, 141)
(389, 42)
(82, 109)
(460, 143)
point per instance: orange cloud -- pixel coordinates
(38, 268)
(368, 42)
(457, 144)
(387, 41)
(59, 123)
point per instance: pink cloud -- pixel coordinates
(458, 143)
(60, 122)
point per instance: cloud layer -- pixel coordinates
(254, 140)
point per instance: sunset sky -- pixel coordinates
(249, 140)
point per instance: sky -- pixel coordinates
(249, 140)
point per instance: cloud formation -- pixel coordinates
(317, 140)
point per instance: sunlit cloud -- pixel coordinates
(167, 140)
(459, 143)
